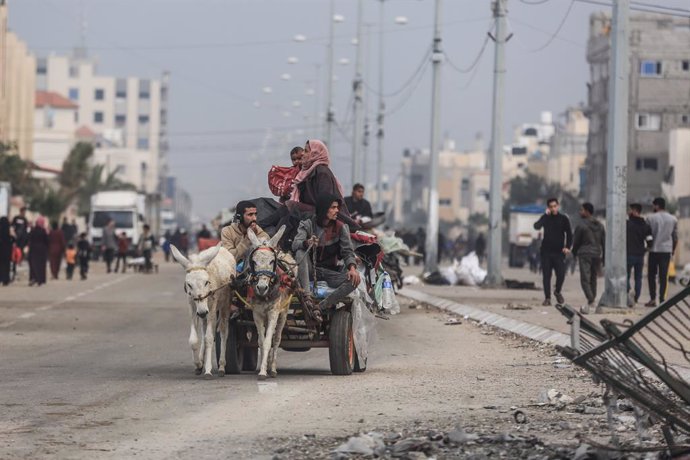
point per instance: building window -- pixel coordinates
(648, 121)
(99, 94)
(647, 163)
(74, 71)
(685, 65)
(98, 117)
(120, 120)
(444, 202)
(144, 89)
(73, 94)
(650, 68)
(143, 119)
(685, 119)
(121, 88)
(41, 66)
(143, 143)
(76, 117)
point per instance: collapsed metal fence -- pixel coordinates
(647, 361)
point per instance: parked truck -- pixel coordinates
(126, 208)
(521, 232)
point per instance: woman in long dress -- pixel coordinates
(56, 248)
(6, 242)
(38, 252)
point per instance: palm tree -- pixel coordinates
(95, 183)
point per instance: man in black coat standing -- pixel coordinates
(558, 239)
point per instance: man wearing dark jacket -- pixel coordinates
(558, 239)
(588, 247)
(638, 232)
(330, 238)
(358, 205)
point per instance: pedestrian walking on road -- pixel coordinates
(70, 260)
(109, 244)
(69, 230)
(558, 239)
(122, 250)
(638, 234)
(20, 225)
(56, 248)
(588, 247)
(83, 254)
(664, 228)
(146, 244)
(38, 253)
(6, 245)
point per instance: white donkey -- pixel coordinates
(206, 284)
(271, 298)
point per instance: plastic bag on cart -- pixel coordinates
(385, 295)
(363, 322)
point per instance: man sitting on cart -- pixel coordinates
(234, 237)
(335, 256)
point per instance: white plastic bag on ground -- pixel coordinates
(468, 271)
(363, 323)
(411, 280)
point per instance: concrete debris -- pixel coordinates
(452, 322)
(459, 436)
(364, 444)
(555, 398)
(517, 306)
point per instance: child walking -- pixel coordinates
(71, 259)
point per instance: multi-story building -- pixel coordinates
(55, 129)
(659, 100)
(17, 86)
(568, 151)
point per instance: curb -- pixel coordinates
(530, 331)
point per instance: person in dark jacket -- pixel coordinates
(83, 255)
(6, 244)
(56, 248)
(357, 205)
(638, 232)
(38, 253)
(330, 238)
(69, 230)
(558, 239)
(588, 247)
(480, 247)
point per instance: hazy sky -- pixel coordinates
(222, 53)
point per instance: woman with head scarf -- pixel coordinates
(6, 242)
(316, 178)
(56, 248)
(38, 252)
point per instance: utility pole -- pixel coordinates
(615, 287)
(358, 96)
(495, 253)
(431, 246)
(379, 118)
(330, 112)
(367, 127)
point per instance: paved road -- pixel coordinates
(102, 369)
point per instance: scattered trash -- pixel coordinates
(554, 397)
(515, 284)
(364, 444)
(520, 417)
(514, 306)
(460, 436)
(452, 322)
(411, 280)
(435, 278)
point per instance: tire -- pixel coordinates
(341, 349)
(234, 352)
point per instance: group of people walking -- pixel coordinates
(657, 234)
(46, 248)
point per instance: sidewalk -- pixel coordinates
(519, 310)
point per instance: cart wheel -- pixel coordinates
(251, 358)
(234, 351)
(341, 349)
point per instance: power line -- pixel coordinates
(408, 82)
(408, 95)
(474, 62)
(558, 29)
(645, 7)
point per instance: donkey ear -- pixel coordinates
(206, 256)
(253, 238)
(177, 255)
(276, 238)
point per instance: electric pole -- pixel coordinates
(379, 118)
(358, 106)
(615, 288)
(329, 96)
(431, 246)
(494, 277)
